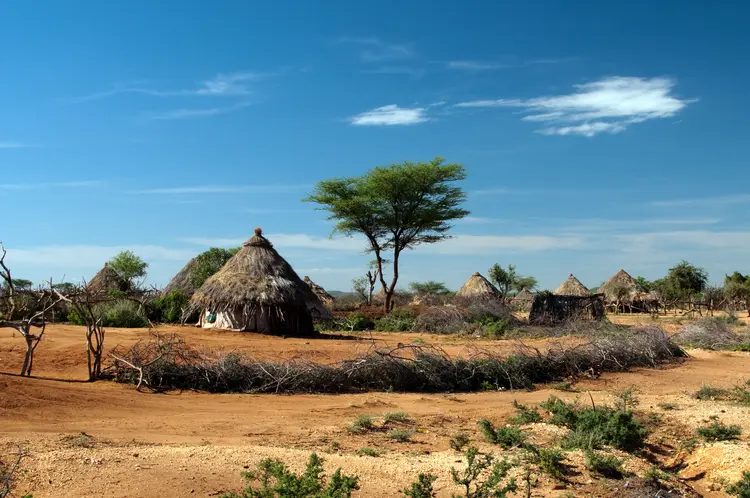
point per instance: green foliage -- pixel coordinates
(550, 461)
(477, 467)
(396, 417)
(400, 320)
(64, 287)
(120, 313)
(741, 488)
(21, 284)
(525, 414)
(275, 480)
(604, 464)
(711, 393)
(371, 452)
(507, 280)
(718, 431)
(363, 423)
(129, 266)
(682, 282)
(400, 435)
(459, 441)
(645, 284)
(668, 406)
(355, 322)
(627, 399)
(505, 436)
(422, 488)
(430, 287)
(565, 386)
(209, 262)
(395, 207)
(169, 308)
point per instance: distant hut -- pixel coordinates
(182, 281)
(258, 291)
(624, 292)
(553, 309)
(478, 287)
(523, 300)
(572, 287)
(107, 280)
(319, 291)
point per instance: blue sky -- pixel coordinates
(597, 135)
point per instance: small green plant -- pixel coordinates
(525, 414)
(396, 417)
(627, 399)
(459, 441)
(422, 488)
(362, 424)
(563, 386)
(273, 479)
(506, 436)
(741, 488)
(668, 406)
(710, 393)
(81, 440)
(400, 435)
(371, 452)
(655, 475)
(605, 465)
(718, 431)
(550, 461)
(744, 347)
(477, 467)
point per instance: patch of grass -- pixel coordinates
(371, 452)
(707, 392)
(400, 435)
(745, 347)
(563, 386)
(459, 441)
(81, 440)
(718, 431)
(396, 417)
(362, 424)
(605, 465)
(655, 475)
(506, 436)
(741, 488)
(524, 414)
(668, 406)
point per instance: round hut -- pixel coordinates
(623, 291)
(572, 287)
(181, 281)
(478, 287)
(106, 280)
(319, 291)
(258, 291)
(523, 300)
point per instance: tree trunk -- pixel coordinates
(28, 359)
(389, 291)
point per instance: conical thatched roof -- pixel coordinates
(181, 281)
(478, 287)
(523, 296)
(257, 276)
(319, 291)
(572, 287)
(622, 280)
(107, 280)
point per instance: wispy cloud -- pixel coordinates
(391, 115)
(493, 191)
(187, 113)
(282, 240)
(465, 65)
(490, 244)
(609, 105)
(91, 256)
(221, 189)
(16, 145)
(414, 72)
(706, 201)
(686, 239)
(53, 185)
(476, 220)
(377, 50)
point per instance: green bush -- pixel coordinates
(396, 417)
(605, 465)
(399, 320)
(717, 431)
(550, 461)
(459, 441)
(274, 480)
(169, 308)
(400, 435)
(525, 414)
(358, 322)
(422, 488)
(506, 436)
(363, 423)
(741, 488)
(480, 466)
(710, 393)
(371, 452)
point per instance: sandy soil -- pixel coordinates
(195, 444)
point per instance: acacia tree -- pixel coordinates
(430, 287)
(129, 266)
(395, 207)
(508, 280)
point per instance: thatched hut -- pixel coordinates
(319, 291)
(106, 280)
(552, 309)
(623, 291)
(523, 300)
(478, 287)
(572, 287)
(258, 291)
(182, 281)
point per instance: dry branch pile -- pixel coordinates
(170, 364)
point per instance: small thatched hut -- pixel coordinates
(552, 309)
(319, 291)
(623, 291)
(107, 280)
(572, 287)
(523, 300)
(181, 281)
(478, 287)
(258, 291)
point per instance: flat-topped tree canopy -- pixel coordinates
(257, 290)
(478, 287)
(572, 287)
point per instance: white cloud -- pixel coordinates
(196, 113)
(474, 65)
(686, 239)
(15, 145)
(60, 185)
(490, 244)
(405, 70)
(228, 84)
(90, 256)
(390, 115)
(377, 50)
(476, 220)
(609, 105)
(281, 240)
(706, 201)
(222, 189)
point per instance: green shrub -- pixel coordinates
(550, 461)
(74, 318)
(358, 322)
(400, 435)
(169, 308)
(745, 347)
(710, 393)
(562, 413)
(396, 417)
(422, 488)
(123, 313)
(494, 328)
(563, 386)
(459, 441)
(605, 465)
(275, 480)
(371, 452)
(506, 436)
(717, 431)
(478, 466)
(655, 475)
(627, 399)
(741, 488)
(399, 320)
(363, 423)
(525, 414)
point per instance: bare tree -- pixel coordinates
(35, 309)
